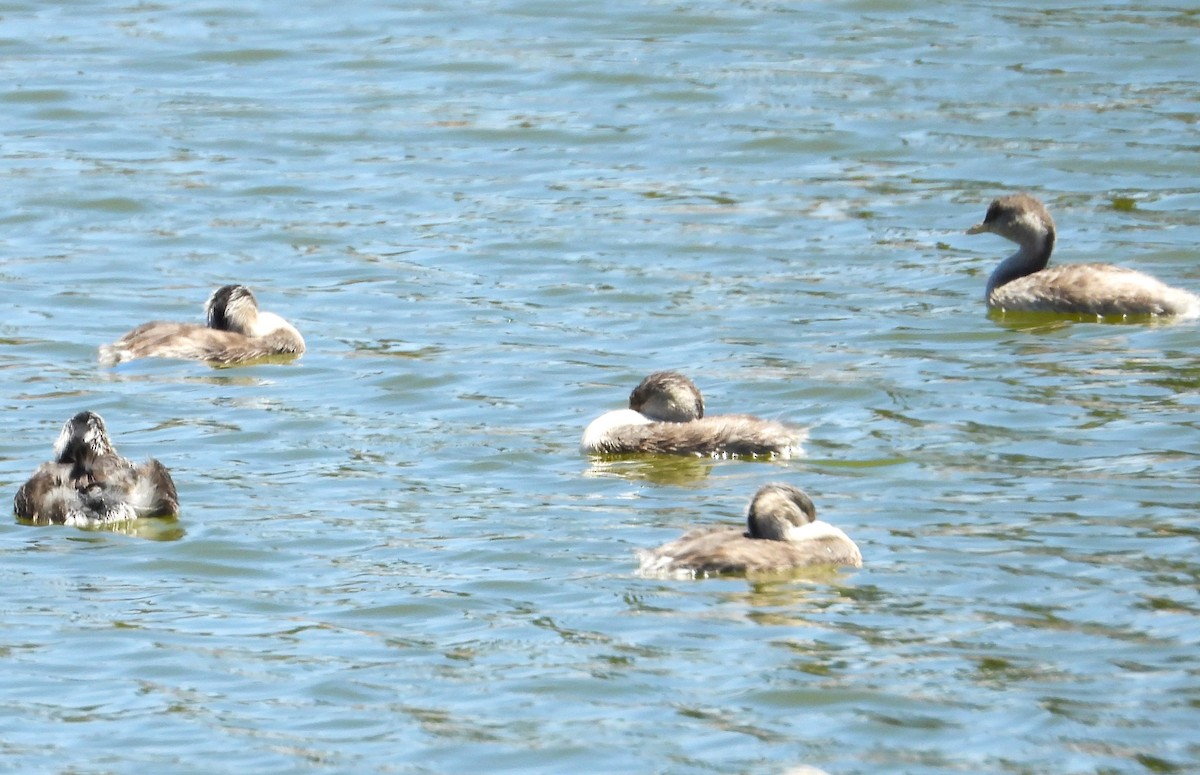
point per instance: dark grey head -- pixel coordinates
(667, 396)
(1021, 218)
(231, 308)
(83, 439)
(776, 508)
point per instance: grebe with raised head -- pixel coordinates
(236, 331)
(89, 484)
(666, 416)
(1022, 282)
(783, 533)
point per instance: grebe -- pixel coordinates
(89, 484)
(1023, 283)
(783, 533)
(666, 416)
(236, 331)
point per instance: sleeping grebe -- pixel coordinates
(783, 533)
(236, 331)
(1023, 283)
(89, 484)
(666, 416)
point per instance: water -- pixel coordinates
(490, 220)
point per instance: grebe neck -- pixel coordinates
(1032, 256)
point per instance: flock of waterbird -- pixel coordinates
(88, 484)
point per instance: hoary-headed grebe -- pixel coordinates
(783, 533)
(89, 484)
(1023, 283)
(236, 331)
(666, 416)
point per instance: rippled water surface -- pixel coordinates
(490, 220)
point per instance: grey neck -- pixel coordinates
(1031, 257)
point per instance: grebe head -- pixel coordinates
(1020, 218)
(83, 439)
(232, 308)
(667, 396)
(778, 508)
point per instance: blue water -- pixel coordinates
(490, 220)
